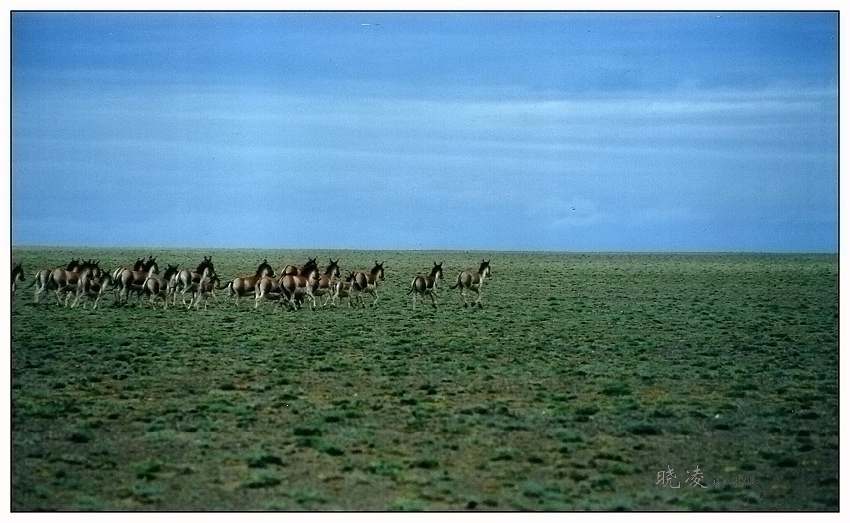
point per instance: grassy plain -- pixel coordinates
(582, 378)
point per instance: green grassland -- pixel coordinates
(582, 378)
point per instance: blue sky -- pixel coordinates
(368, 130)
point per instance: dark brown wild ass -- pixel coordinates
(17, 275)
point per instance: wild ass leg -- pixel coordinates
(59, 296)
(433, 299)
(183, 294)
(478, 299)
(67, 297)
(76, 299)
(39, 289)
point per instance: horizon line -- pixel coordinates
(425, 249)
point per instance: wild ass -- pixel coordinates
(66, 281)
(426, 284)
(17, 275)
(368, 282)
(324, 286)
(205, 288)
(472, 280)
(294, 287)
(116, 275)
(156, 286)
(187, 281)
(342, 289)
(41, 278)
(294, 270)
(92, 288)
(244, 285)
(134, 279)
(268, 288)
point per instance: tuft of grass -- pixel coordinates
(306, 496)
(787, 462)
(383, 467)
(536, 458)
(147, 493)
(262, 458)
(568, 435)
(586, 410)
(504, 454)
(616, 388)
(307, 430)
(407, 504)
(329, 449)
(603, 482)
(532, 489)
(578, 476)
(79, 436)
(148, 469)
(644, 429)
(263, 479)
(425, 463)
(89, 503)
(620, 504)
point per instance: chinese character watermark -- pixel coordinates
(665, 479)
(695, 478)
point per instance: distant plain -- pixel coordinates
(583, 382)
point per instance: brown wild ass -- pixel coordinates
(426, 284)
(295, 287)
(244, 285)
(134, 279)
(41, 278)
(187, 281)
(472, 280)
(204, 289)
(116, 275)
(343, 289)
(292, 269)
(326, 281)
(156, 286)
(92, 288)
(66, 281)
(368, 282)
(268, 288)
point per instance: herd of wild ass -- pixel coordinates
(86, 281)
